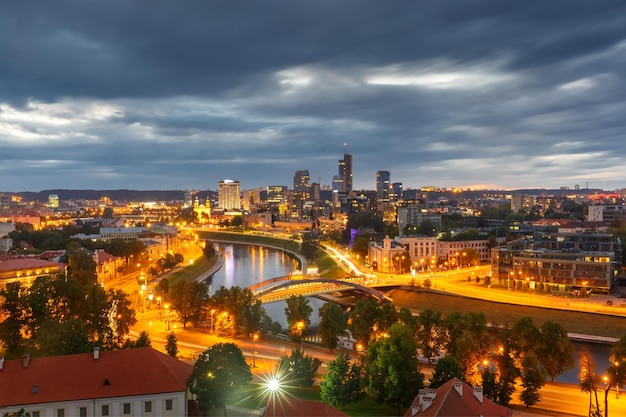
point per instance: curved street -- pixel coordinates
(557, 399)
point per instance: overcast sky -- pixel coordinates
(155, 95)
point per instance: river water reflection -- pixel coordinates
(245, 265)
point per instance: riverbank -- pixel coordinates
(585, 323)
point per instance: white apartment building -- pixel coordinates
(129, 382)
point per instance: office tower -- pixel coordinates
(275, 193)
(383, 184)
(345, 174)
(315, 191)
(302, 181)
(396, 191)
(228, 195)
(338, 183)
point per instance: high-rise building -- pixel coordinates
(302, 181)
(228, 195)
(275, 193)
(383, 184)
(315, 191)
(345, 173)
(396, 191)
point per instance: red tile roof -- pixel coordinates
(446, 401)
(128, 372)
(27, 263)
(294, 407)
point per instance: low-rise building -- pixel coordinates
(578, 263)
(27, 269)
(453, 399)
(129, 382)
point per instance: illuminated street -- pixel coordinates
(564, 399)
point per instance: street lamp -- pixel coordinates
(143, 288)
(212, 312)
(254, 338)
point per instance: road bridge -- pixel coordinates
(284, 289)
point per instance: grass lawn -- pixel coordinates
(499, 313)
(191, 272)
(253, 396)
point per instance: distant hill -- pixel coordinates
(117, 195)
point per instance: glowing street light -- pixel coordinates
(254, 339)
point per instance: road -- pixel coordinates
(557, 399)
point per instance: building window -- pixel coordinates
(82, 411)
(126, 408)
(168, 404)
(60, 412)
(36, 414)
(105, 410)
(147, 406)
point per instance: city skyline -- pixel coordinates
(477, 95)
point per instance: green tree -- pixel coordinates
(589, 382)
(360, 245)
(363, 317)
(556, 351)
(14, 323)
(388, 315)
(218, 370)
(406, 317)
(430, 336)
(616, 370)
(171, 347)
(427, 228)
(298, 312)
(121, 316)
(491, 388)
(506, 363)
(308, 247)
(188, 300)
(209, 250)
(298, 369)
(333, 324)
(81, 267)
(525, 336)
(394, 376)
(67, 337)
(163, 286)
(143, 340)
(467, 339)
(533, 379)
(245, 311)
(446, 369)
(342, 382)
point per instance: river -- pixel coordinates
(245, 265)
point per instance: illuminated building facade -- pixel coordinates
(383, 185)
(577, 262)
(228, 195)
(344, 179)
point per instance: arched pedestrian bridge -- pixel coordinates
(283, 288)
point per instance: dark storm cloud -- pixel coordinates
(157, 94)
